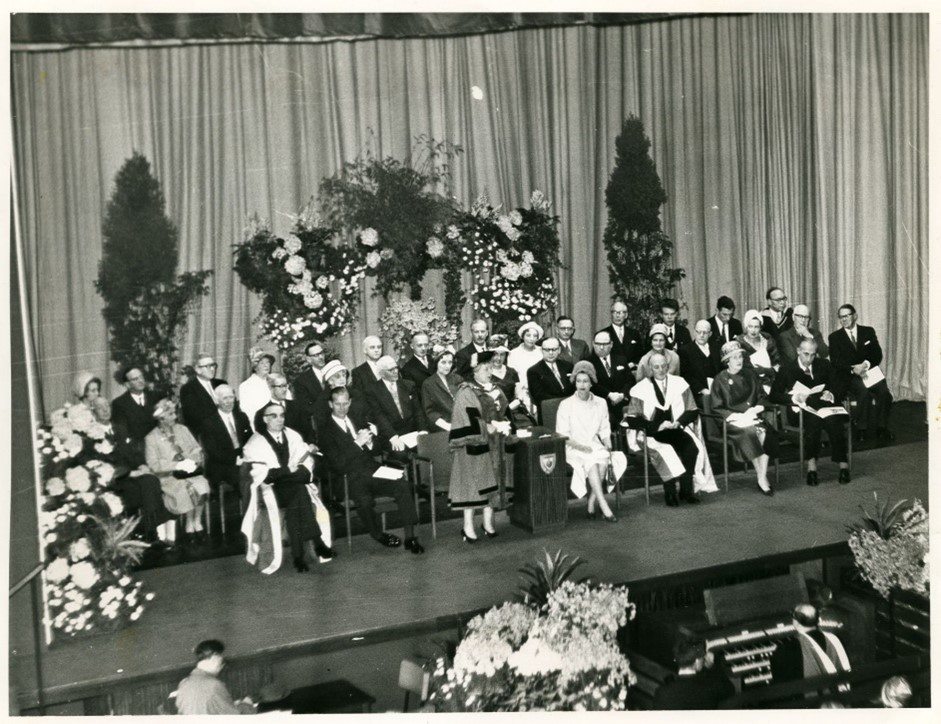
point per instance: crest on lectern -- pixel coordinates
(547, 463)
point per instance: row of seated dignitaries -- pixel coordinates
(388, 400)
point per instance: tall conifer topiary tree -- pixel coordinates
(638, 251)
(146, 303)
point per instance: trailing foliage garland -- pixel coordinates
(558, 652)
(638, 251)
(393, 207)
(146, 305)
(308, 283)
(512, 259)
(87, 538)
(890, 547)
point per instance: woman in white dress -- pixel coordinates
(583, 419)
(658, 345)
(254, 393)
(524, 356)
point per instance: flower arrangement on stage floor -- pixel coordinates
(308, 282)
(556, 651)
(512, 258)
(890, 547)
(87, 538)
(403, 317)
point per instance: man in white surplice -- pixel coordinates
(663, 410)
(281, 465)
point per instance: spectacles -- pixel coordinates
(318, 353)
(275, 415)
(208, 364)
(551, 349)
(604, 344)
(134, 379)
(779, 299)
(566, 329)
(802, 316)
(845, 316)
(285, 384)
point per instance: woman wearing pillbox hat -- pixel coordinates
(658, 343)
(478, 419)
(524, 356)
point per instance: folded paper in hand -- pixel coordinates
(523, 434)
(384, 472)
(800, 387)
(828, 411)
(873, 376)
(410, 439)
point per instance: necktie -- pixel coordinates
(139, 399)
(568, 348)
(395, 398)
(853, 336)
(558, 377)
(607, 367)
(725, 332)
(809, 371)
(670, 338)
(231, 428)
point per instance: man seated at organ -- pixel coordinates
(811, 652)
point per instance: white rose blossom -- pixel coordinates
(54, 487)
(279, 253)
(369, 236)
(435, 247)
(115, 506)
(79, 550)
(77, 479)
(104, 447)
(453, 232)
(292, 244)
(373, 259)
(322, 282)
(58, 570)
(84, 574)
(516, 218)
(294, 265)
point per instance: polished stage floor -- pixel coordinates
(374, 589)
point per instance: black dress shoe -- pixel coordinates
(414, 546)
(389, 540)
(324, 551)
(769, 491)
(592, 514)
(672, 500)
(812, 477)
(844, 476)
(689, 499)
(610, 518)
(300, 565)
(885, 435)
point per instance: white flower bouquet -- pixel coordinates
(87, 537)
(561, 656)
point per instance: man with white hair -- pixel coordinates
(394, 405)
(366, 374)
(223, 436)
(614, 377)
(789, 340)
(310, 383)
(197, 398)
(625, 341)
(480, 330)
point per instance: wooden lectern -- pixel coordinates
(540, 488)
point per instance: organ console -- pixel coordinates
(742, 626)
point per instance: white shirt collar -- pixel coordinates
(344, 422)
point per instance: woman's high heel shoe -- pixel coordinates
(592, 514)
(469, 538)
(610, 518)
(490, 533)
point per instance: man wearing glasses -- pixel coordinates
(294, 415)
(614, 376)
(857, 356)
(777, 317)
(309, 384)
(281, 465)
(549, 378)
(197, 397)
(789, 339)
(573, 350)
(223, 437)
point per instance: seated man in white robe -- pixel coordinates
(662, 409)
(280, 458)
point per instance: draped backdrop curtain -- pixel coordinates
(793, 149)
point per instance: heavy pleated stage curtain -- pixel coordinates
(793, 149)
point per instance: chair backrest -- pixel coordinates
(414, 679)
(434, 447)
(550, 410)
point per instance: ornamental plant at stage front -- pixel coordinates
(890, 547)
(559, 656)
(85, 533)
(402, 318)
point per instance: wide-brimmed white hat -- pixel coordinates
(659, 328)
(528, 326)
(332, 367)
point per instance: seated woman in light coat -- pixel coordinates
(439, 388)
(658, 345)
(761, 352)
(663, 411)
(738, 397)
(583, 419)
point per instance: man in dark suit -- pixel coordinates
(336, 375)
(223, 436)
(725, 327)
(417, 368)
(700, 362)
(573, 350)
(614, 376)
(366, 374)
(197, 396)
(812, 372)
(626, 342)
(394, 405)
(480, 330)
(697, 684)
(789, 339)
(854, 351)
(810, 652)
(777, 317)
(677, 334)
(309, 384)
(350, 445)
(549, 378)
(134, 409)
(295, 416)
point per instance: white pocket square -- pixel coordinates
(620, 367)
(867, 342)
